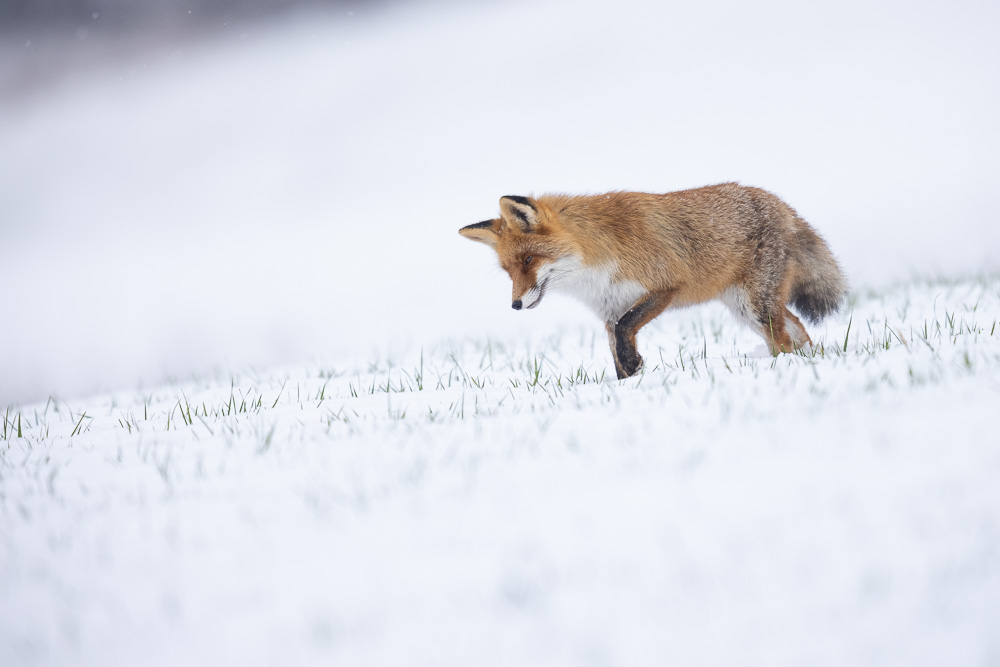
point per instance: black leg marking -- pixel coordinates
(612, 340)
(628, 356)
(638, 316)
(629, 360)
(629, 320)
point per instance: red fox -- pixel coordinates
(629, 256)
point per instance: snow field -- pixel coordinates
(506, 501)
(451, 483)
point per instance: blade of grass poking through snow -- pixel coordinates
(848, 334)
(278, 397)
(420, 376)
(76, 429)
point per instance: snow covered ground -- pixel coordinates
(502, 501)
(261, 403)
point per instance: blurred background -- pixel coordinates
(192, 186)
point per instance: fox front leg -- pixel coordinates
(610, 327)
(627, 358)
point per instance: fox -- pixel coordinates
(629, 256)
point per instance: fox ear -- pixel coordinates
(487, 231)
(519, 212)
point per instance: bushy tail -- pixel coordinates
(820, 285)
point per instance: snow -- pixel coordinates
(266, 406)
(498, 501)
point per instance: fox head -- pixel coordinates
(526, 244)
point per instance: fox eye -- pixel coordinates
(527, 260)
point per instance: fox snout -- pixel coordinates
(529, 298)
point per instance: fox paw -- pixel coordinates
(629, 365)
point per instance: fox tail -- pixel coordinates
(820, 287)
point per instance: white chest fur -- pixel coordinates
(594, 286)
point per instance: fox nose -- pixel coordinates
(516, 305)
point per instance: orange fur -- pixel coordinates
(624, 251)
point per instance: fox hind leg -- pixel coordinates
(781, 330)
(795, 330)
(776, 333)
